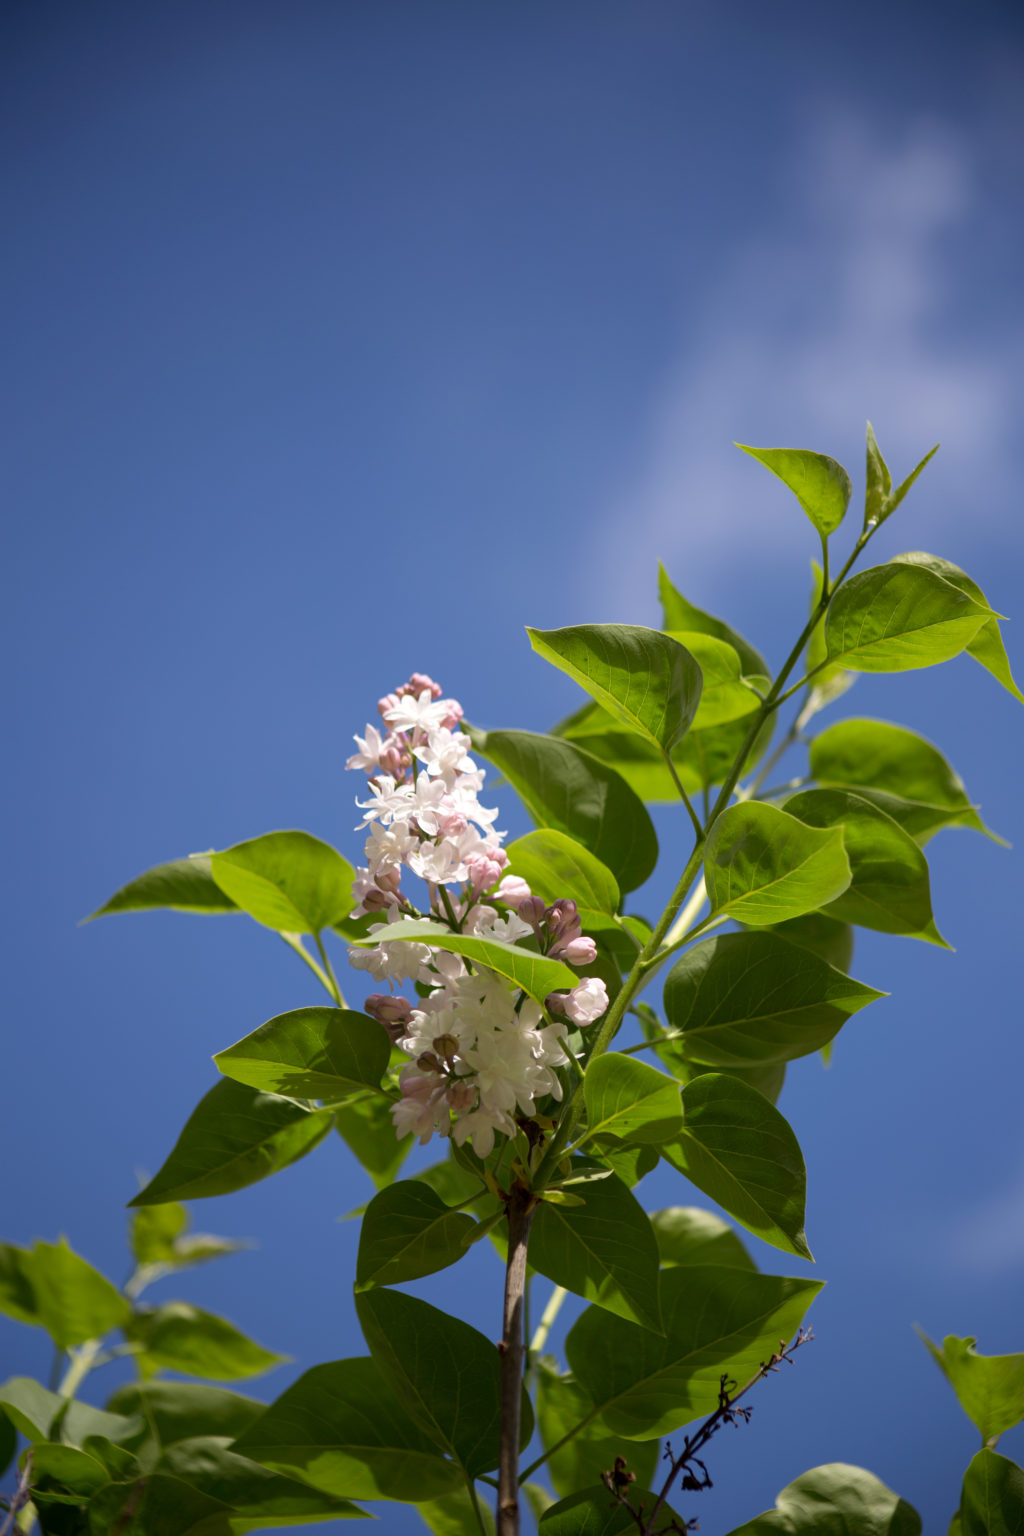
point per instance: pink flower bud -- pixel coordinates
(389, 879)
(418, 681)
(512, 891)
(453, 716)
(387, 1009)
(389, 701)
(461, 1096)
(562, 921)
(587, 1002)
(376, 900)
(582, 951)
(555, 1002)
(531, 910)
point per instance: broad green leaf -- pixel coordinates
(287, 880)
(564, 787)
(762, 865)
(180, 1337)
(17, 1292)
(234, 1137)
(990, 1388)
(554, 866)
(157, 1505)
(451, 1181)
(310, 1053)
(343, 1430)
(987, 647)
(681, 614)
(688, 1235)
(533, 972)
(454, 1515)
(741, 1152)
(603, 1250)
(446, 1373)
(593, 1512)
(407, 1232)
(819, 483)
(835, 1500)
(825, 937)
(184, 885)
(266, 1498)
(367, 1129)
(894, 498)
(726, 694)
(32, 1409)
(716, 1320)
(75, 1469)
(745, 999)
(631, 1161)
(74, 1301)
(894, 618)
(767, 1080)
(889, 886)
(154, 1229)
(992, 1498)
(878, 482)
(180, 1410)
(908, 776)
(627, 1098)
(120, 1464)
(562, 1404)
(646, 679)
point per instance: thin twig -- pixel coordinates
(521, 1206)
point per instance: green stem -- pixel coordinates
(547, 1319)
(677, 781)
(294, 942)
(333, 987)
(474, 1499)
(82, 1361)
(531, 1469)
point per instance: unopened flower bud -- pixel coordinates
(453, 716)
(512, 891)
(376, 900)
(389, 879)
(587, 1002)
(446, 1046)
(555, 1002)
(418, 681)
(461, 1097)
(389, 701)
(428, 1062)
(531, 910)
(581, 951)
(387, 1009)
(562, 920)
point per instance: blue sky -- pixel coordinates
(345, 340)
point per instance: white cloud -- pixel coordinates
(842, 316)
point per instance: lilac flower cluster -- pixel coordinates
(480, 1051)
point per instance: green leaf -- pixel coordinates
(75, 1302)
(627, 1098)
(180, 1410)
(727, 695)
(367, 1129)
(75, 1469)
(644, 678)
(889, 888)
(310, 1053)
(716, 1320)
(234, 1137)
(907, 776)
(826, 937)
(878, 482)
(745, 999)
(454, 1515)
(894, 498)
(554, 866)
(562, 1404)
(289, 881)
(533, 972)
(741, 1152)
(819, 483)
(180, 1337)
(631, 1161)
(446, 1373)
(894, 618)
(762, 865)
(157, 1505)
(266, 1498)
(342, 1429)
(120, 1464)
(987, 647)
(154, 1229)
(564, 787)
(184, 885)
(835, 1500)
(603, 1250)
(592, 1512)
(17, 1292)
(680, 614)
(8, 1442)
(407, 1232)
(990, 1388)
(32, 1410)
(688, 1235)
(992, 1498)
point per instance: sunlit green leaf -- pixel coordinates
(562, 1404)
(643, 677)
(741, 1152)
(267, 1498)
(603, 1250)
(555, 866)
(762, 865)
(367, 1129)
(681, 614)
(180, 1337)
(17, 1293)
(878, 482)
(835, 1500)
(819, 483)
(408, 1231)
(987, 646)
(688, 1235)
(287, 880)
(455, 1515)
(895, 617)
(74, 1301)
(990, 1388)
(716, 1320)
(32, 1409)
(154, 1229)
(992, 1498)
(536, 974)
(66, 1464)
(310, 1053)
(184, 885)
(564, 787)
(627, 1098)
(179, 1410)
(233, 1137)
(726, 694)
(592, 1512)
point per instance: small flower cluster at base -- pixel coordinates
(481, 1052)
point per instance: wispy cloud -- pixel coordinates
(989, 1237)
(839, 308)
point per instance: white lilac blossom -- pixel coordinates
(481, 1053)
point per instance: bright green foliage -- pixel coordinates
(688, 1235)
(555, 866)
(889, 886)
(591, 1512)
(562, 1404)
(54, 1288)
(680, 614)
(748, 998)
(990, 1388)
(262, 1497)
(645, 679)
(17, 1293)
(310, 1053)
(835, 1500)
(727, 695)
(185, 885)
(178, 1410)
(740, 1151)
(896, 617)
(987, 646)
(603, 1250)
(881, 500)
(179, 1337)
(764, 866)
(992, 1498)
(287, 880)
(629, 1099)
(820, 484)
(564, 787)
(69, 1465)
(33, 1410)
(161, 1241)
(716, 1320)
(409, 1231)
(535, 974)
(234, 1136)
